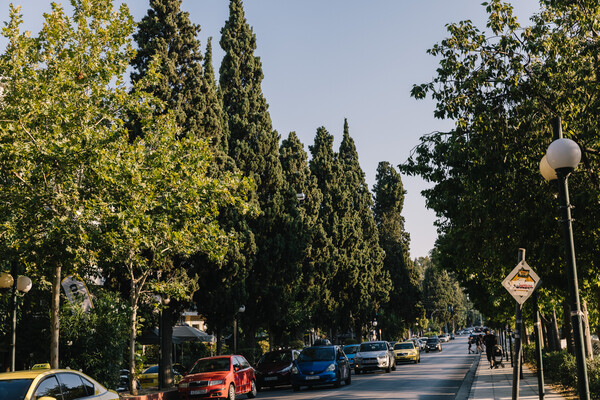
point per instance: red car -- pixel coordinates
(221, 377)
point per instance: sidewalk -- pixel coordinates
(497, 384)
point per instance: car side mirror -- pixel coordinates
(236, 368)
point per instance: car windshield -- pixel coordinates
(350, 349)
(432, 340)
(210, 365)
(317, 354)
(14, 389)
(403, 346)
(373, 347)
(275, 357)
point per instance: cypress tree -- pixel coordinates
(404, 301)
(166, 33)
(254, 147)
(363, 284)
(324, 263)
(300, 229)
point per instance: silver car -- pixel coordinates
(374, 355)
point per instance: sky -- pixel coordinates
(327, 60)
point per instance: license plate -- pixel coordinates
(312, 378)
(195, 392)
(271, 378)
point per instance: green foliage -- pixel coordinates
(96, 342)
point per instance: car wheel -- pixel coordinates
(231, 392)
(252, 392)
(338, 381)
(296, 388)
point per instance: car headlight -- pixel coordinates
(381, 357)
(330, 368)
(295, 370)
(219, 382)
(184, 384)
(286, 369)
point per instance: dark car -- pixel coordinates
(274, 368)
(433, 344)
(321, 365)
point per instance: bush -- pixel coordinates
(96, 342)
(297, 344)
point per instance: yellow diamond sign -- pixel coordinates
(521, 282)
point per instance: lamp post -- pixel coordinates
(21, 284)
(235, 328)
(563, 156)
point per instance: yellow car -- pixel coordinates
(406, 351)
(149, 377)
(52, 384)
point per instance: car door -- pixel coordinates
(238, 375)
(73, 387)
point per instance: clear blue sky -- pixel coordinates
(326, 60)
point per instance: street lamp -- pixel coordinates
(563, 156)
(22, 284)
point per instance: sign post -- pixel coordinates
(521, 282)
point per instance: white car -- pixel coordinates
(444, 337)
(374, 355)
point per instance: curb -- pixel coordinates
(465, 388)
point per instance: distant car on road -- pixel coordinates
(149, 377)
(374, 355)
(444, 337)
(433, 344)
(321, 365)
(52, 384)
(406, 351)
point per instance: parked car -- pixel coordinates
(218, 377)
(321, 365)
(350, 351)
(407, 351)
(420, 343)
(452, 337)
(149, 377)
(274, 368)
(53, 383)
(444, 337)
(374, 355)
(433, 344)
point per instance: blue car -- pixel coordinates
(320, 365)
(350, 351)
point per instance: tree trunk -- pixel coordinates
(555, 335)
(167, 347)
(54, 318)
(567, 330)
(133, 300)
(525, 334)
(589, 350)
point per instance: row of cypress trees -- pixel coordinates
(334, 260)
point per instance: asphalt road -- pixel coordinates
(438, 377)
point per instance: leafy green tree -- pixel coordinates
(402, 309)
(62, 95)
(254, 147)
(502, 88)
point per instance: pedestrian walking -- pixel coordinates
(490, 342)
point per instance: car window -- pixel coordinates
(151, 370)
(242, 362)
(275, 357)
(48, 387)
(350, 349)
(236, 363)
(14, 388)
(403, 346)
(72, 386)
(89, 386)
